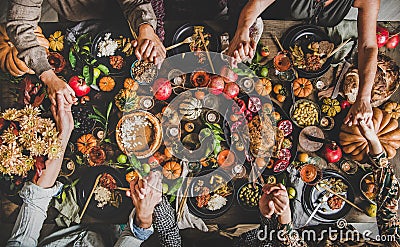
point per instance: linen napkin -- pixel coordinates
(68, 209)
(188, 220)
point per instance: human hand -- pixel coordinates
(148, 46)
(146, 193)
(241, 47)
(63, 117)
(275, 200)
(368, 131)
(361, 109)
(57, 86)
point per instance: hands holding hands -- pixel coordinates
(146, 193)
(242, 47)
(275, 200)
(148, 46)
(360, 110)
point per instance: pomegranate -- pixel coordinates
(393, 41)
(239, 107)
(228, 74)
(382, 36)
(231, 90)
(162, 89)
(332, 152)
(216, 85)
(79, 86)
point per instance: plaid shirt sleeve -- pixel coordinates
(270, 234)
(164, 222)
(387, 199)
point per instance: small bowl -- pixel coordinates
(244, 204)
(141, 82)
(362, 187)
(349, 167)
(296, 104)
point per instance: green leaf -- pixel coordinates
(95, 117)
(103, 69)
(99, 113)
(63, 196)
(109, 109)
(72, 58)
(176, 187)
(86, 74)
(75, 182)
(107, 140)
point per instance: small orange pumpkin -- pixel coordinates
(106, 84)
(302, 87)
(85, 143)
(132, 175)
(263, 86)
(131, 84)
(172, 170)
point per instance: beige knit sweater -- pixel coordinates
(23, 17)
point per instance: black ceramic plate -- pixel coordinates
(302, 36)
(293, 137)
(187, 30)
(106, 60)
(311, 197)
(205, 213)
(85, 186)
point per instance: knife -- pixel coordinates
(348, 61)
(324, 199)
(317, 139)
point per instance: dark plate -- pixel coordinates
(302, 36)
(311, 195)
(187, 30)
(85, 186)
(293, 137)
(106, 60)
(204, 213)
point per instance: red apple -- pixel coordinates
(79, 86)
(393, 41)
(228, 74)
(231, 90)
(216, 85)
(162, 89)
(382, 36)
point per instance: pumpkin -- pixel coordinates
(106, 84)
(126, 100)
(356, 145)
(331, 107)
(302, 87)
(132, 175)
(263, 87)
(190, 108)
(393, 109)
(9, 61)
(172, 170)
(85, 143)
(56, 41)
(131, 84)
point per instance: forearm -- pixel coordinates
(32, 214)
(367, 47)
(52, 167)
(250, 12)
(22, 18)
(138, 12)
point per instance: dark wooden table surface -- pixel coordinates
(236, 214)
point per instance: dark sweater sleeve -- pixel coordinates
(138, 12)
(22, 18)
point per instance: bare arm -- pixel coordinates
(367, 59)
(241, 46)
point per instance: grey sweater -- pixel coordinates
(23, 17)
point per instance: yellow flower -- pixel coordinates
(11, 114)
(31, 111)
(54, 151)
(8, 136)
(56, 41)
